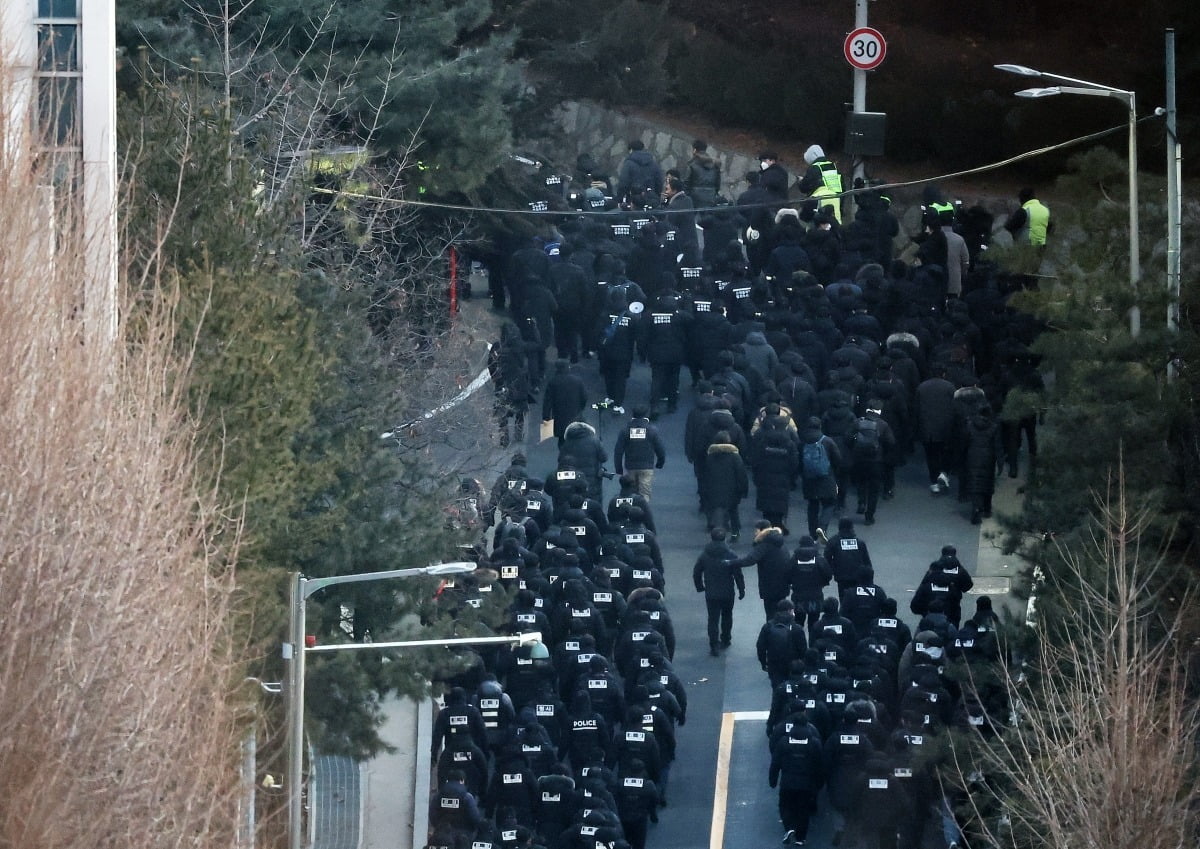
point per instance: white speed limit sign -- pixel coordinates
(865, 48)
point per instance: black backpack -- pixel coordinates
(779, 643)
(867, 446)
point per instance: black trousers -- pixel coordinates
(664, 383)
(635, 832)
(769, 606)
(616, 375)
(807, 613)
(568, 335)
(1010, 433)
(720, 620)
(935, 460)
(820, 514)
(869, 480)
(796, 808)
(728, 517)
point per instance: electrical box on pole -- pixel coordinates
(865, 133)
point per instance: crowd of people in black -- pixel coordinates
(818, 362)
(859, 706)
(567, 742)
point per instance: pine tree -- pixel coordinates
(1107, 398)
(292, 390)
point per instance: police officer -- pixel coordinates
(946, 579)
(513, 790)
(1030, 223)
(810, 575)
(780, 642)
(454, 811)
(640, 449)
(615, 347)
(863, 603)
(629, 496)
(557, 804)
(821, 181)
(797, 769)
(637, 802)
(496, 709)
(664, 335)
(847, 555)
(462, 754)
(458, 718)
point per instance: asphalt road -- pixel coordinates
(718, 794)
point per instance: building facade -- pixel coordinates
(59, 104)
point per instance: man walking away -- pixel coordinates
(780, 641)
(723, 484)
(564, 399)
(639, 451)
(717, 575)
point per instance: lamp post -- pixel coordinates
(293, 652)
(1074, 86)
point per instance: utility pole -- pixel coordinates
(1174, 201)
(860, 82)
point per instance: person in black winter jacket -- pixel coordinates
(935, 427)
(979, 463)
(703, 179)
(454, 810)
(574, 294)
(775, 565)
(946, 579)
(637, 803)
(663, 337)
(723, 484)
(629, 497)
(685, 248)
(773, 177)
(458, 719)
(821, 457)
(872, 448)
(780, 642)
(510, 377)
(639, 451)
(775, 462)
(564, 399)
(798, 769)
(847, 555)
(616, 336)
(717, 575)
(640, 179)
(581, 450)
(810, 575)
(862, 603)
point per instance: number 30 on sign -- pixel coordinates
(865, 48)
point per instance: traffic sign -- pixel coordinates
(865, 48)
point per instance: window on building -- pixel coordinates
(58, 75)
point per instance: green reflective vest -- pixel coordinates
(831, 186)
(1039, 220)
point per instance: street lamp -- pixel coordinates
(1074, 86)
(293, 652)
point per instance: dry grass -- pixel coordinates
(1104, 755)
(116, 722)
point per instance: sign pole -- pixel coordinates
(860, 101)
